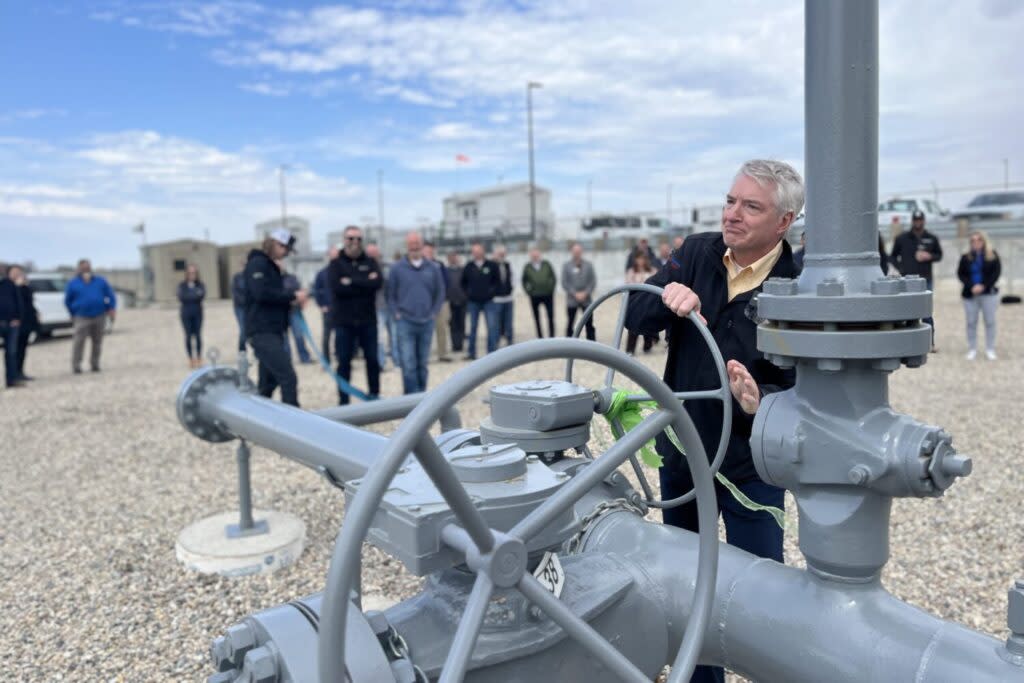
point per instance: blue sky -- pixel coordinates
(178, 113)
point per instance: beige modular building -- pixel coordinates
(230, 260)
(163, 267)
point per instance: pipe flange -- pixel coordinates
(192, 389)
(886, 299)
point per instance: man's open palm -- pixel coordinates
(744, 388)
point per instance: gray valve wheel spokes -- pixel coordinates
(722, 393)
(499, 558)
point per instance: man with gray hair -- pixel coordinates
(717, 276)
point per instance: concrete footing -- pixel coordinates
(205, 547)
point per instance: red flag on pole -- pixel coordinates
(461, 159)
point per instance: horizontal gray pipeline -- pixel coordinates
(777, 623)
(324, 440)
(346, 452)
(358, 414)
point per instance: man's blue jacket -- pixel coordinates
(91, 299)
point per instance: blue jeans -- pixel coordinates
(491, 316)
(383, 338)
(414, 349)
(505, 312)
(240, 318)
(756, 532)
(10, 336)
(346, 337)
(396, 358)
(300, 345)
(193, 325)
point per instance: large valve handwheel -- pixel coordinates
(722, 393)
(499, 559)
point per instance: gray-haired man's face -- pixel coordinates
(751, 223)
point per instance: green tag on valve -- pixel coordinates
(631, 413)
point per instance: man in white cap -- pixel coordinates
(267, 307)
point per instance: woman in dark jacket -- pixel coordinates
(191, 293)
(978, 271)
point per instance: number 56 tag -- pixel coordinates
(550, 574)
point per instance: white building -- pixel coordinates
(496, 214)
(297, 226)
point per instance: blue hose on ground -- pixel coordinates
(299, 323)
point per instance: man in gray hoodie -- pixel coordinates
(415, 295)
(579, 281)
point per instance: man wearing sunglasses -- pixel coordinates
(353, 280)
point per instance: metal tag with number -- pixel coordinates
(550, 574)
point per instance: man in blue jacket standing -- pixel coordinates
(90, 300)
(415, 295)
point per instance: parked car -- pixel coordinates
(48, 290)
(994, 206)
(903, 207)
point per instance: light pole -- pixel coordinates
(1006, 174)
(284, 205)
(530, 85)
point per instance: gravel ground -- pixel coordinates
(98, 479)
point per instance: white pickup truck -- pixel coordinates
(48, 296)
(900, 209)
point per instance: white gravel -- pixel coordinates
(97, 478)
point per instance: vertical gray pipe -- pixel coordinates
(841, 111)
(245, 520)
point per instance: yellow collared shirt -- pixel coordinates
(745, 278)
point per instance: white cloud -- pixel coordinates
(636, 95)
(29, 114)
(204, 19)
(268, 89)
(48, 209)
(413, 96)
(455, 131)
(180, 187)
(40, 190)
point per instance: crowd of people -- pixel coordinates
(395, 314)
(396, 310)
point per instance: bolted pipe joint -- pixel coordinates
(193, 389)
